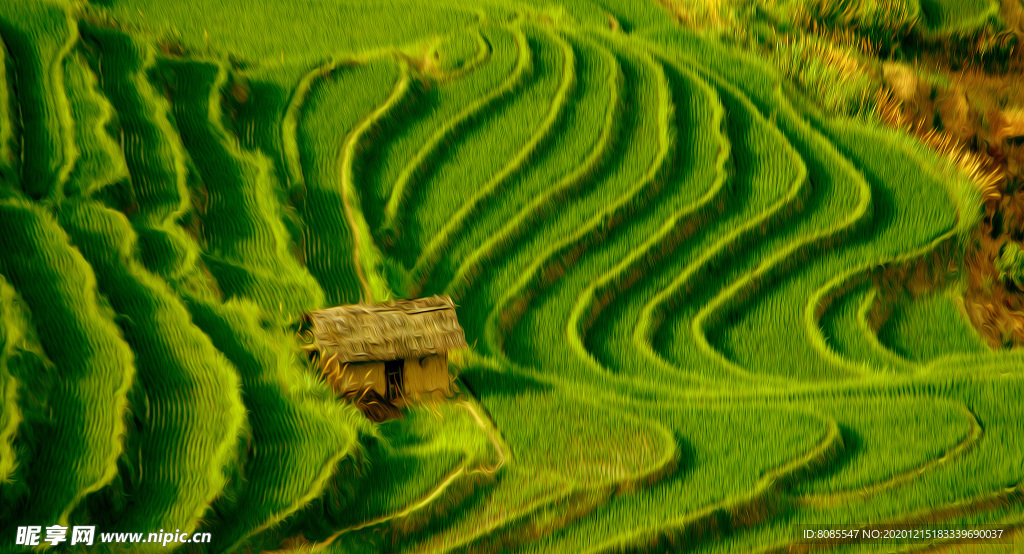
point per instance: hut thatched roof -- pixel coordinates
(391, 331)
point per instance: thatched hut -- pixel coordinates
(392, 352)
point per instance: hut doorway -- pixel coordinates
(393, 378)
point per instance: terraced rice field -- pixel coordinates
(677, 277)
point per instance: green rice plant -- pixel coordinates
(1010, 264)
(569, 468)
(565, 152)
(621, 342)
(893, 231)
(27, 384)
(38, 35)
(432, 108)
(927, 223)
(666, 258)
(556, 177)
(888, 441)
(843, 208)
(859, 217)
(616, 200)
(414, 178)
(424, 110)
(479, 268)
(760, 201)
(156, 197)
(293, 112)
(368, 259)
(845, 326)
(428, 460)
(297, 438)
(947, 17)
(486, 147)
(12, 323)
(335, 108)
(494, 188)
(256, 105)
(186, 406)
(101, 162)
(244, 241)
(9, 168)
(499, 516)
(874, 18)
(717, 488)
(626, 16)
(289, 33)
(703, 161)
(929, 327)
(460, 51)
(986, 468)
(964, 196)
(75, 449)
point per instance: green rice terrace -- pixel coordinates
(710, 295)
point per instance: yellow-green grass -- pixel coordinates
(1010, 264)
(299, 434)
(75, 449)
(240, 231)
(459, 51)
(101, 161)
(186, 408)
(433, 174)
(156, 197)
(38, 35)
(336, 105)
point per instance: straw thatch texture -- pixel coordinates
(392, 331)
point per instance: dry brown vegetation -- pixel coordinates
(977, 121)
